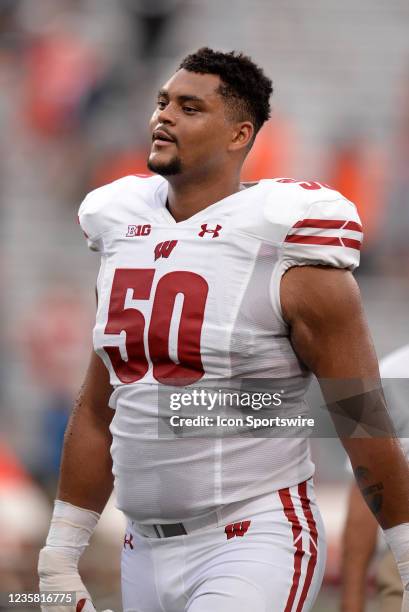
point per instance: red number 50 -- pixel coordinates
(194, 289)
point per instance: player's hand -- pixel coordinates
(85, 605)
(405, 600)
(403, 568)
(58, 571)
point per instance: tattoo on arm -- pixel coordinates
(361, 474)
(371, 492)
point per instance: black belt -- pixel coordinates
(168, 531)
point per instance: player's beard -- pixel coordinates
(169, 168)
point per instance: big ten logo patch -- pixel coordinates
(138, 230)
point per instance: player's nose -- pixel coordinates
(167, 115)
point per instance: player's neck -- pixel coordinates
(186, 198)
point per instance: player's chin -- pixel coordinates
(163, 164)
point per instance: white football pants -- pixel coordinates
(261, 555)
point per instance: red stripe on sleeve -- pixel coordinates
(324, 240)
(306, 506)
(329, 224)
(351, 243)
(288, 507)
(321, 223)
(352, 225)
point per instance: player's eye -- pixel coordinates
(189, 110)
(161, 104)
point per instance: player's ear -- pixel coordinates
(242, 135)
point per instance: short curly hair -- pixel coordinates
(245, 87)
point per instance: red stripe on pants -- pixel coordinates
(313, 535)
(289, 511)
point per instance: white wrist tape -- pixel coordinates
(398, 541)
(70, 531)
(71, 526)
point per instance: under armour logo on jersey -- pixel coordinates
(236, 529)
(214, 231)
(164, 249)
(128, 541)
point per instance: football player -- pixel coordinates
(361, 529)
(204, 280)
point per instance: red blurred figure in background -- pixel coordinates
(52, 339)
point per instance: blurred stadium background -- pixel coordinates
(78, 80)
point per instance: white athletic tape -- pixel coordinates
(405, 602)
(398, 541)
(70, 530)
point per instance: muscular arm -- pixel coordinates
(86, 478)
(329, 334)
(359, 542)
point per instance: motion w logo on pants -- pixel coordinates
(164, 249)
(236, 529)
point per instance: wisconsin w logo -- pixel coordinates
(164, 249)
(236, 529)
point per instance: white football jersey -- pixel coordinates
(199, 301)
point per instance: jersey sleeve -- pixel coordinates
(328, 234)
(105, 208)
(313, 231)
(96, 214)
(88, 220)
